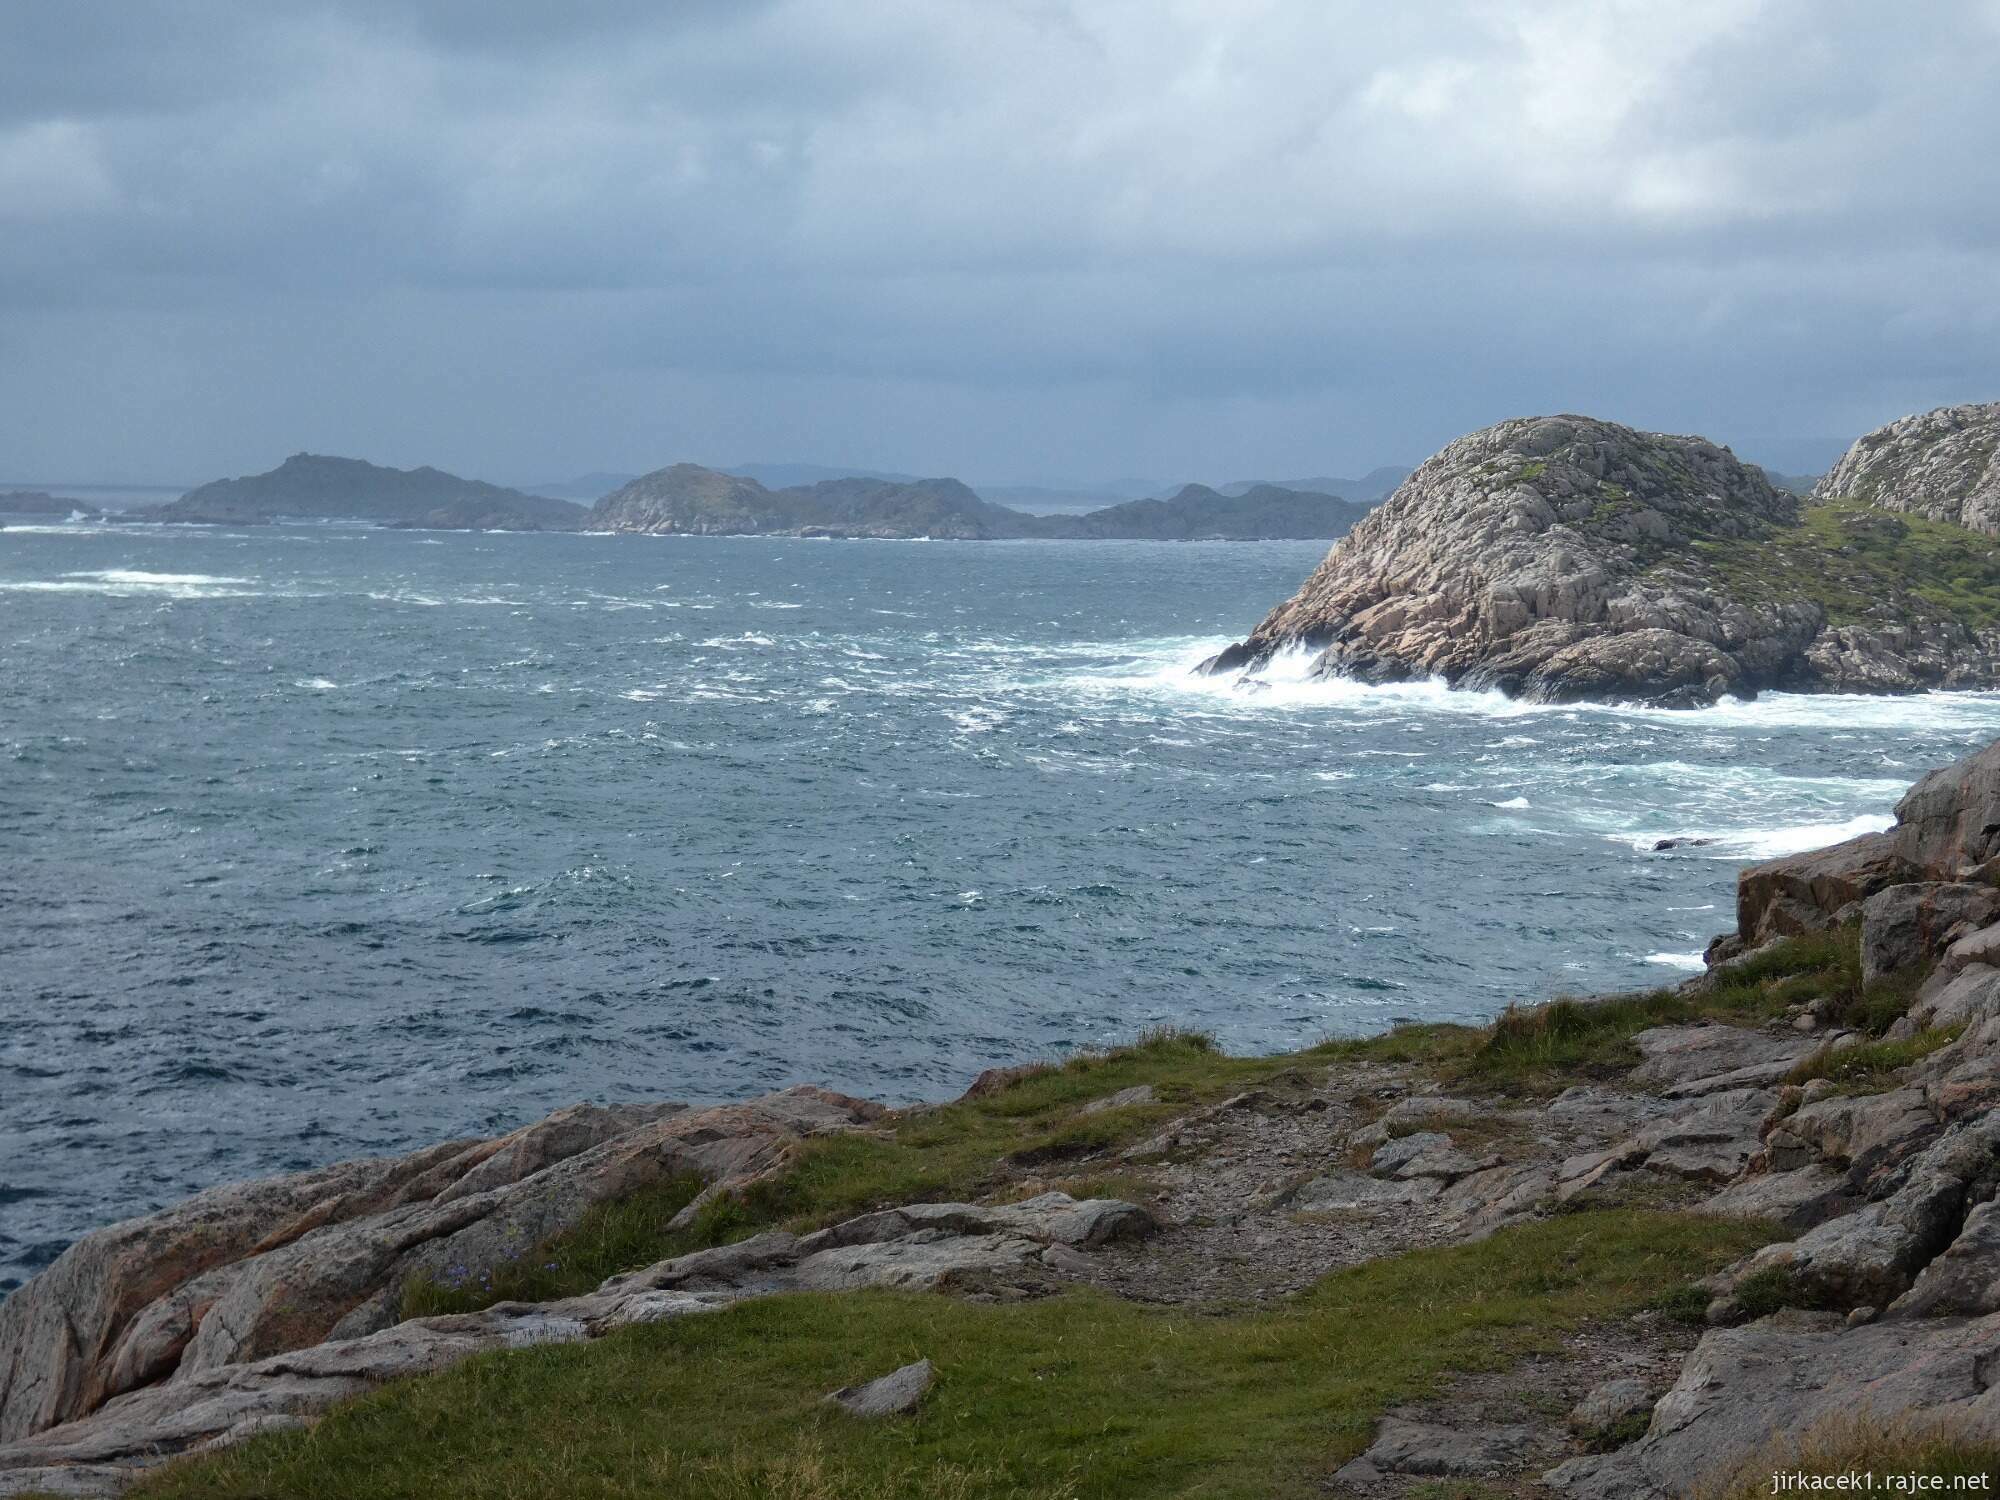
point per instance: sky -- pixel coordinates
(1039, 240)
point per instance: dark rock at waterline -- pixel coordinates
(1662, 845)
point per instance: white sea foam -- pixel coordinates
(133, 583)
(1514, 803)
(1693, 962)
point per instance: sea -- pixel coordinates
(324, 841)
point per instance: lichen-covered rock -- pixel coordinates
(1943, 465)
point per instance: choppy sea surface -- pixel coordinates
(322, 841)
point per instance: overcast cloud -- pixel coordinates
(996, 238)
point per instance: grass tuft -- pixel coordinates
(1879, 1454)
(1872, 1066)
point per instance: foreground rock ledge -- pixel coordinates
(926, 1246)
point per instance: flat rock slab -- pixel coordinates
(1798, 1199)
(896, 1394)
(1425, 1448)
(1743, 1388)
(1342, 1190)
(1698, 1059)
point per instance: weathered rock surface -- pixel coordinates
(260, 1268)
(1744, 1388)
(1562, 557)
(1943, 465)
(1947, 831)
(1405, 1447)
(1612, 1403)
(1906, 925)
(920, 1247)
(896, 1394)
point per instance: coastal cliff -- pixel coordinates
(1564, 558)
(1649, 1245)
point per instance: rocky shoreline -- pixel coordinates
(1564, 558)
(1830, 1078)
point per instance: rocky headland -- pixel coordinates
(1645, 1246)
(310, 486)
(1563, 558)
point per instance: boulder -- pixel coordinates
(1965, 996)
(1389, 1160)
(1614, 1402)
(1904, 927)
(896, 1394)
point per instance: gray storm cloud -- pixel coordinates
(1023, 239)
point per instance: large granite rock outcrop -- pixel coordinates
(1947, 833)
(1943, 465)
(1563, 557)
(926, 1247)
(256, 1269)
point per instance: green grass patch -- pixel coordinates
(1872, 1066)
(1862, 565)
(1764, 1292)
(1079, 1395)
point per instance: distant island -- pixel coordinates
(312, 487)
(687, 499)
(691, 500)
(1563, 558)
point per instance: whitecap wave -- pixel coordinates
(1692, 962)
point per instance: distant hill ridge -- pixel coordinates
(314, 486)
(691, 499)
(688, 499)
